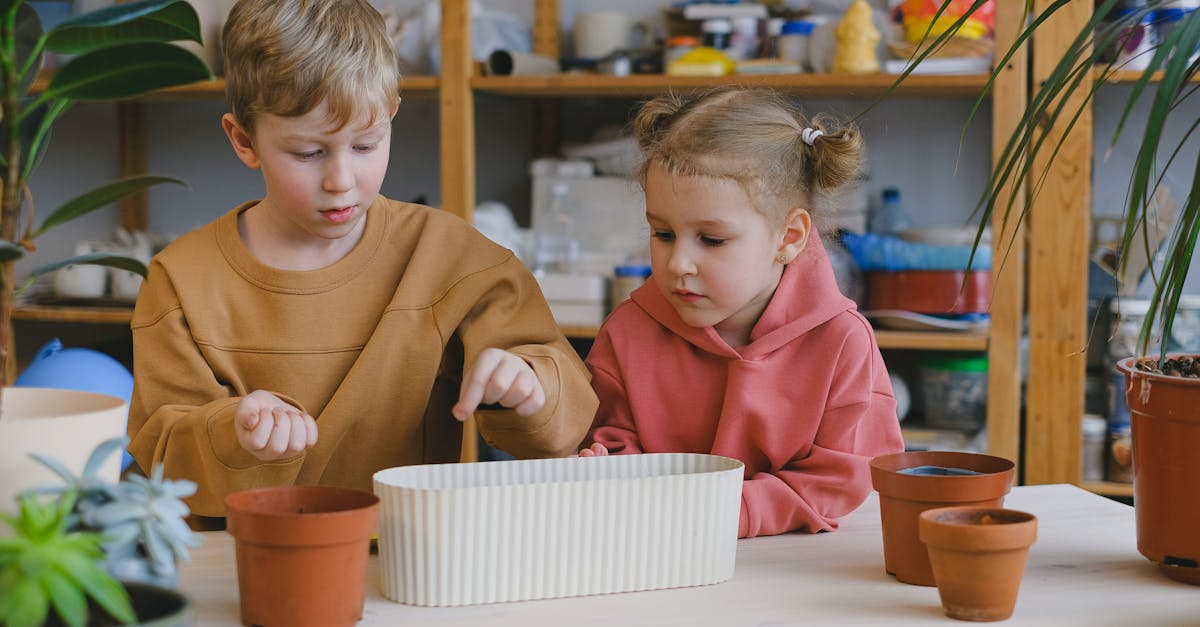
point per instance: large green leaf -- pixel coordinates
(156, 20)
(29, 45)
(90, 201)
(120, 262)
(10, 252)
(126, 71)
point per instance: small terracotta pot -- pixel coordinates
(902, 498)
(1165, 430)
(978, 556)
(302, 553)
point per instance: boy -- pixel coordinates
(324, 332)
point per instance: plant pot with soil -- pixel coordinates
(910, 483)
(1165, 428)
(302, 553)
(978, 556)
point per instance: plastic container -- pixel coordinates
(626, 278)
(716, 33)
(794, 38)
(891, 218)
(1135, 46)
(1095, 437)
(1171, 18)
(954, 388)
(557, 247)
(678, 46)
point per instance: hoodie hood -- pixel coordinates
(807, 297)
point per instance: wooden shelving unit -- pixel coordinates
(460, 84)
(84, 315)
(1108, 488)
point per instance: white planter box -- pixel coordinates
(461, 534)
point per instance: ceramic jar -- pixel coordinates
(979, 480)
(978, 556)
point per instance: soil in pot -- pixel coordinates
(302, 554)
(1165, 430)
(963, 479)
(978, 556)
(154, 606)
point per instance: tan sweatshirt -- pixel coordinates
(374, 347)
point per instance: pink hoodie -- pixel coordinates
(805, 405)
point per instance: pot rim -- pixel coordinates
(957, 528)
(1125, 367)
(244, 501)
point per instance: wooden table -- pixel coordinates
(1083, 570)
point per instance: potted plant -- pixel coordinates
(1161, 390)
(96, 552)
(117, 52)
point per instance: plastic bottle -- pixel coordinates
(557, 247)
(715, 33)
(891, 217)
(794, 42)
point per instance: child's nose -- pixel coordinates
(338, 176)
(680, 262)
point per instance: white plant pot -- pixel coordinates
(63, 424)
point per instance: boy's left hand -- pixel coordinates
(499, 376)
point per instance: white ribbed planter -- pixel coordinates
(63, 424)
(461, 534)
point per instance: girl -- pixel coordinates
(740, 344)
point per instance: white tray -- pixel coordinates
(461, 534)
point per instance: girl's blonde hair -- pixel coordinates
(753, 137)
(285, 58)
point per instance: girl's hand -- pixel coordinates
(595, 450)
(500, 377)
(271, 429)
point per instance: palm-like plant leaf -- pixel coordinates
(110, 260)
(151, 21)
(125, 70)
(10, 252)
(101, 196)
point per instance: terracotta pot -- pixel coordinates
(978, 556)
(902, 498)
(302, 553)
(1165, 428)
(931, 291)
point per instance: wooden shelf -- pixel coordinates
(827, 85)
(92, 315)
(912, 340)
(215, 89)
(1108, 488)
(931, 340)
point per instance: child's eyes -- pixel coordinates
(665, 236)
(365, 147)
(711, 241)
(305, 156)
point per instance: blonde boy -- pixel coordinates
(324, 332)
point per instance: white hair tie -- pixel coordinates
(810, 135)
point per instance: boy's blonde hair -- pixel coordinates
(753, 137)
(285, 57)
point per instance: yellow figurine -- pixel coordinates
(856, 41)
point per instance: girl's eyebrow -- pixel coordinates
(712, 223)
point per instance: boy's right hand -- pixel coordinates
(271, 429)
(595, 450)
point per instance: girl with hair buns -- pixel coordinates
(740, 343)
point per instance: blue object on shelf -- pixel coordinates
(883, 252)
(81, 369)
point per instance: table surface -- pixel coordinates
(1083, 570)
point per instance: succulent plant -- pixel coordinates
(141, 519)
(47, 566)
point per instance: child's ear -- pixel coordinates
(243, 144)
(795, 234)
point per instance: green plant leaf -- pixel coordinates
(101, 587)
(69, 601)
(10, 252)
(125, 71)
(28, 606)
(29, 56)
(158, 20)
(110, 260)
(106, 194)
